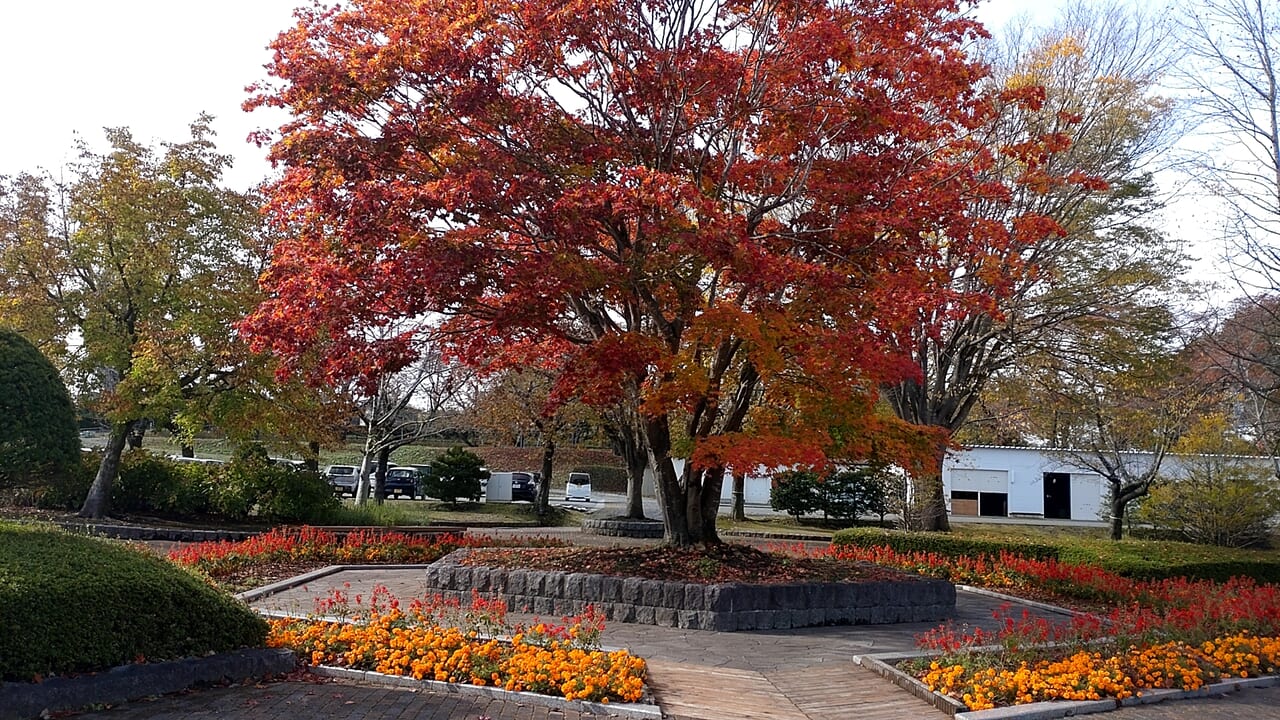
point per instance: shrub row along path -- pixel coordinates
(796, 674)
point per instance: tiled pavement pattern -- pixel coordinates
(325, 701)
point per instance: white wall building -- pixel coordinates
(990, 481)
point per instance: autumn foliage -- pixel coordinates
(726, 214)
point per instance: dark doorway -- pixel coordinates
(993, 504)
(1057, 496)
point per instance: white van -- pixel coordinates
(578, 487)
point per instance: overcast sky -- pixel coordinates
(151, 65)
(77, 66)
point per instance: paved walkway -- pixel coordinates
(797, 674)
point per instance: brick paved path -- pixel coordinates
(325, 701)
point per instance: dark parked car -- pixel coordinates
(343, 479)
(401, 482)
(524, 486)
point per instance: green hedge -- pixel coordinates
(78, 604)
(1139, 559)
(941, 543)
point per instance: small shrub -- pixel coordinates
(78, 604)
(1219, 502)
(843, 495)
(145, 483)
(67, 490)
(251, 486)
(455, 474)
(796, 493)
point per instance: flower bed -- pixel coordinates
(1092, 675)
(438, 639)
(1171, 633)
(294, 550)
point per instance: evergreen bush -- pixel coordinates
(73, 604)
(38, 434)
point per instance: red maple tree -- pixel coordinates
(723, 212)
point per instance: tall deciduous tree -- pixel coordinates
(1099, 66)
(729, 212)
(1116, 398)
(136, 269)
(520, 403)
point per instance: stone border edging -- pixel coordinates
(639, 711)
(146, 532)
(20, 701)
(698, 606)
(765, 535)
(882, 664)
(1022, 601)
(624, 527)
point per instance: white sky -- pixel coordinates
(76, 66)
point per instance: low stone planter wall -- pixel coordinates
(731, 606)
(21, 701)
(620, 527)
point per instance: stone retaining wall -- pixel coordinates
(619, 527)
(22, 701)
(731, 606)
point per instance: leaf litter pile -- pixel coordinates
(727, 563)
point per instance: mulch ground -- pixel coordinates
(725, 563)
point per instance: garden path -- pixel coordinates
(794, 674)
(797, 674)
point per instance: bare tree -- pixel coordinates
(1233, 59)
(410, 404)
(1233, 75)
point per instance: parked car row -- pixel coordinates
(405, 481)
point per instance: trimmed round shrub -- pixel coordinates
(455, 474)
(38, 434)
(73, 604)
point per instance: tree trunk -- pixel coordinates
(690, 500)
(709, 493)
(542, 502)
(1118, 504)
(739, 511)
(380, 478)
(931, 504)
(637, 462)
(188, 450)
(368, 467)
(137, 431)
(929, 501)
(98, 502)
(313, 456)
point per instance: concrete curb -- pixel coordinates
(1012, 599)
(258, 593)
(639, 711)
(20, 701)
